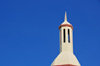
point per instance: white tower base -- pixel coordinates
(65, 59)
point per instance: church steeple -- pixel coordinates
(66, 56)
(66, 38)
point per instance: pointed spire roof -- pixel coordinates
(66, 23)
(65, 16)
(65, 20)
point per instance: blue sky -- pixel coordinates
(29, 34)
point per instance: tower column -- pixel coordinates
(66, 39)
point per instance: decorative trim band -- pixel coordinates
(63, 25)
(65, 65)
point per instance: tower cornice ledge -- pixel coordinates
(63, 25)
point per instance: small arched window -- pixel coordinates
(64, 35)
(68, 35)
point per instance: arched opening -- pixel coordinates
(68, 35)
(64, 35)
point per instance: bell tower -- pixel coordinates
(66, 56)
(66, 38)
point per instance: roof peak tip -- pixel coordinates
(65, 20)
(65, 16)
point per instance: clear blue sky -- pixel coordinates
(29, 34)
